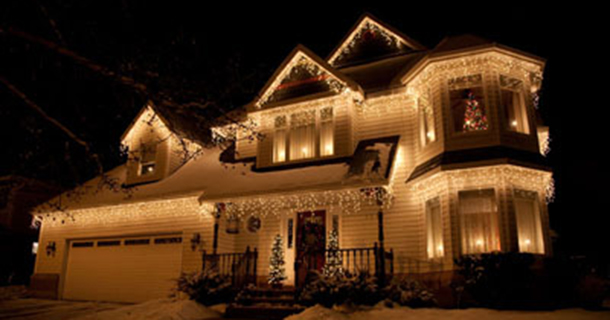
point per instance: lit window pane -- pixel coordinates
(302, 135)
(434, 228)
(514, 104)
(426, 111)
(327, 147)
(478, 222)
(467, 101)
(529, 226)
(279, 139)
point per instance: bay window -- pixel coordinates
(434, 229)
(426, 119)
(478, 221)
(511, 91)
(467, 101)
(529, 225)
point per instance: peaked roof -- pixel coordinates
(298, 53)
(363, 22)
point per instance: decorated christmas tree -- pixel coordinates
(334, 263)
(474, 118)
(277, 272)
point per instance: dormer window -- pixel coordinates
(514, 104)
(299, 139)
(148, 155)
(467, 101)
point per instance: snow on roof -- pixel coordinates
(210, 179)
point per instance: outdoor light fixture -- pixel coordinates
(195, 241)
(51, 248)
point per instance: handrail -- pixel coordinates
(240, 267)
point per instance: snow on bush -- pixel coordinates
(409, 292)
(207, 287)
(329, 290)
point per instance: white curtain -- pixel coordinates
(302, 135)
(434, 228)
(279, 145)
(327, 147)
(529, 226)
(478, 222)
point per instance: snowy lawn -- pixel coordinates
(381, 312)
(163, 309)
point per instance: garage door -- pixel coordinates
(131, 269)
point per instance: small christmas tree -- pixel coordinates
(334, 263)
(277, 272)
(474, 118)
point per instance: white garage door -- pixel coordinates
(124, 269)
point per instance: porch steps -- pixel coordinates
(264, 303)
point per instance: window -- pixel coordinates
(302, 135)
(298, 140)
(529, 225)
(148, 155)
(434, 229)
(511, 90)
(426, 119)
(478, 221)
(467, 101)
(327, 145)
(279, 139)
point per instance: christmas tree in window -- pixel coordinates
(334, 263)
(474, 117)
(277, 272)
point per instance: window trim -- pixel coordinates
(440, 251)
(527, 129)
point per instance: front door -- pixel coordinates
(310, 245)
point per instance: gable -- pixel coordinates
(302, 74)
(146, 125)
(371, 39)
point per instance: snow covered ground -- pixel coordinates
(163, 309)
(381, 312)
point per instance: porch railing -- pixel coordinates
(240, 267)
(368, 260)
(371, 260)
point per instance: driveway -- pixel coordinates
(36, 309)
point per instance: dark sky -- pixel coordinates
(211, 47)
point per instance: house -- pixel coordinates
(414, 155)
(18, 238)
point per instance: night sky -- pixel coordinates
(233, 49)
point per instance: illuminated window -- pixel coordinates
(303, 135)
(426, 119)
(529, 225)
(327, 146)
(514, 104)
(299, 138)
(148, 155)
(467, 101)
(478, 221)
(279, 139)
(434, 229)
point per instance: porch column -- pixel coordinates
(381, 253)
